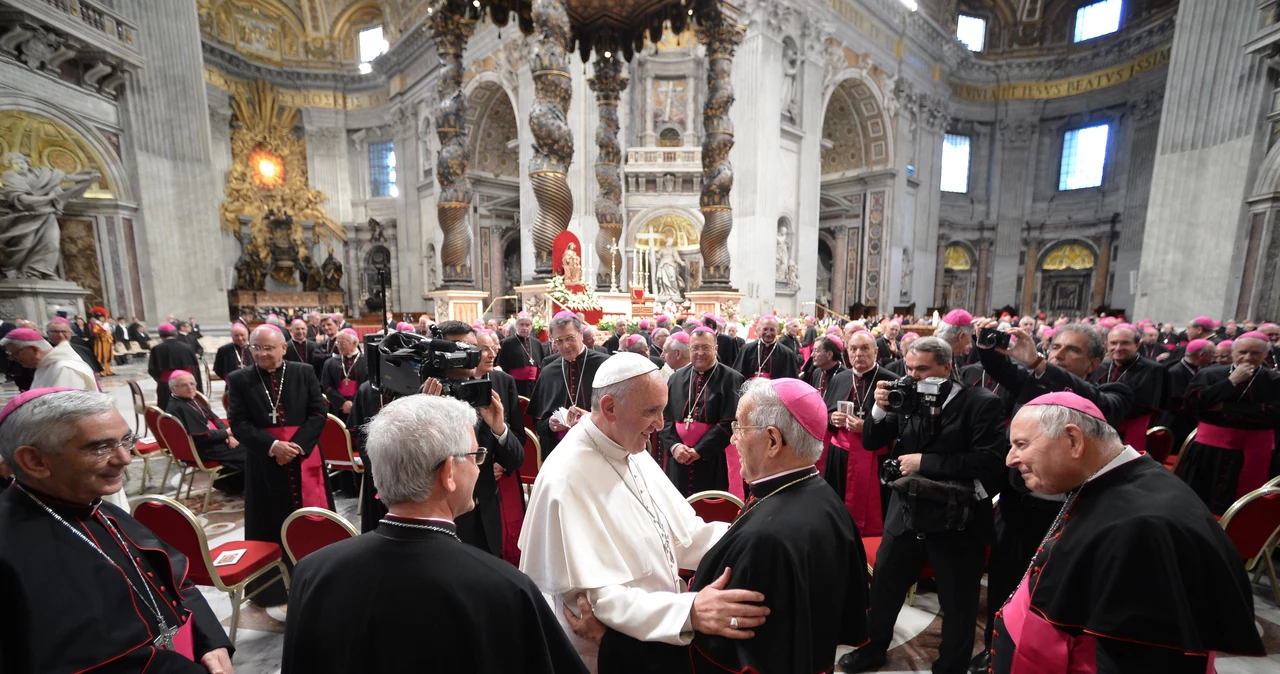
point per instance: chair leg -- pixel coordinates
(284, 574)
(911, 595)
(235, 613)
(1271, 571)
(164, 484)
(207, 493)
(360, 502)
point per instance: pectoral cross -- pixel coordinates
(275, 416)
(165, 641)
(688, 420)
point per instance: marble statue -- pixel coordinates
(790, 81)
(908, 267)
(331, 272)
(31, 199)
(572, 264)
(671, 271)
(782, 261)
(251, 272)
(310, 275)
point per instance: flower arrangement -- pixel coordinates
(583, 301)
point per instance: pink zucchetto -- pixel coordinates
(805, 404)
(958, 317)
(1071, 401)
(1227, 343)
(23, 335)
(523, 314)
(835, 340)
(644, 324)
(701, 330)
(1108, 322)
(1252, 334)
(1047, 333)
(833, 330)
(350, 331)
(911, 335)
(59, 319)
(564, 314)
(29, 395)
(179, 373)
(1203, 321)
(166, 327)
(683, 337)
(633, 339)
(1196, 345)
(404, 327)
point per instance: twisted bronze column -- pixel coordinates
(721, 39)
(552, 137)
(451, 32)
(608, 83)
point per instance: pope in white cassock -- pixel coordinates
(604, 521)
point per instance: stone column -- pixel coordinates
(646, 108)
(721, 39)
(451, 32)
(552, 135)
(690, 105)
(984, 277)
(940, 271)
(1102, 273)
(1205, 164)
(839, 267)
(607, 84)
(165, 113)
(1029, 275)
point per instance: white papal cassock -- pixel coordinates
(593, 526)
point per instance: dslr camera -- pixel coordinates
(991, 338)
(918, 398)
(406, 360)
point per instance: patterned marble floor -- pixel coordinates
(261, 631)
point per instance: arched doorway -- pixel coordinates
(1066, 278)
(665, 250)
(959, 280)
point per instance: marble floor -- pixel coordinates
(261, 631)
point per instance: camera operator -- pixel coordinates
(964, 443)
(501, 432)
(1023, 374)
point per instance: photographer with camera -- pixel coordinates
(500, 432)
(1011, 360)
(950, 440)
(564, 382)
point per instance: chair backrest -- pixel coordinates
(335, 442)
(308, 529)
(524, 412)
(175, 525)
(150, 417)
(1159, 443)
(139, 400)
(532, 455)
(1253, 521)
(175, 437)
(715, 506)
(1177, 460)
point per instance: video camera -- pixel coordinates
(991, 338)
(405, 361)
(918, 398)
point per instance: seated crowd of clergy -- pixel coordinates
(1097, 558)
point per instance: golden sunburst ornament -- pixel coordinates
(268, 168)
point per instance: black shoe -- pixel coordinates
(861, 660)
(981, 663)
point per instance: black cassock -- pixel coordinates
(66, 609)
(796, 545)
(368, 403)
(272, 491)
(230, 358)
(1173, 418)
(320, 354)
(612, 344)
(836, 467)
(421, 594)
(299, 352)
(342, 373)
(1149, 382)
(515, 354)
(482, 527)
(729, 349)
(700, 408)
(210, 442)
(1144, 568)
(776, 361)
(170, 355)
(562, 384)
(821, 379)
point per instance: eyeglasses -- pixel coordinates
(737, 427)
(567, 339)
(479, 457)
(106, 449)
(262, 348)
(702, 349)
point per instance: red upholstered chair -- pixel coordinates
(1172, 462)
(139, 404)
(871, 546)
(177, 526)
(1253, 523)
(524, 411)
(532, 457)
(183, 451)
(148, 446)
(306, 530)
(338, 453)
(715, 506)
(1159, 443)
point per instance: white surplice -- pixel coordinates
(587, 529)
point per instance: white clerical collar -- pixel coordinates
(785, 472)
(1125, 456)
(862, 374)
(602, 442)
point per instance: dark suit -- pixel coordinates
(969, 443)
(482, 527)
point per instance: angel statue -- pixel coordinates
(31, 199)
(572, 265)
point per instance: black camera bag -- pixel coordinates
(934, 506)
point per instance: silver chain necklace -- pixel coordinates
(275, 408)
(165, 640)
(428, 527)
(655, 514)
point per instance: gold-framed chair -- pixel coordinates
(183, 451)
(176, 525)
(139, 404)
(1177, 460)
(339, 454)
(714, 505)
(1253, 525)
(306, 530)
(1159, 443)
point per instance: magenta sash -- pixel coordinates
(213, 426)
(511, 507)
(862, 482)
(1041, 648)
(347, 388)
(183, 641)
(1134, 432)
(690, 433)
(1256, 445)
(526, 373)
(805, 351)
(314, 494)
